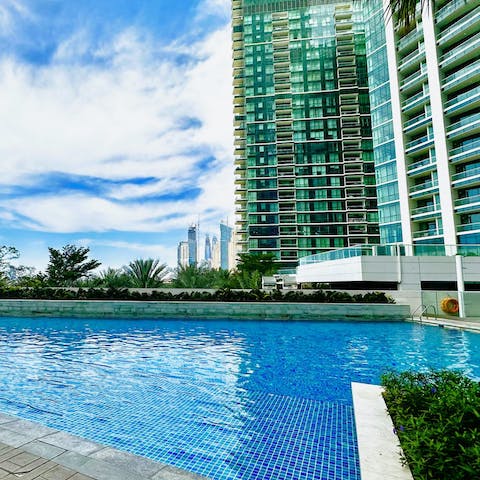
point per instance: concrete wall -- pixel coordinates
(246, 310)
(471, 299)
(407, 271)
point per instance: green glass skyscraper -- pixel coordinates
(303, 143)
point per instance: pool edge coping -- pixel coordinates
(92, 459)
(378, 447)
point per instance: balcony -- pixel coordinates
(424, 187)
(464, 51)
(419, 144)
(431, 232)
(460, 27)
(422, 165)
(429, 210)
(472, 175)
(450, 8)
(467, 151)
(416, 77)
(468, 227)
(408, 39)
(418, 121)
(464, 100)
(461, 203)
(416, 100)
(412, 58)
(469, 124)
(466, 74)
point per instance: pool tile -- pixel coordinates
(172, 473)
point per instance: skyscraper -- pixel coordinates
(215, 253)
(192, 245)
(225, 246)
(182, 254)
(425, 100)
(303, 149)
(208, 249)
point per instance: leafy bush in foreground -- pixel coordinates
(222, 295)
(437, 419)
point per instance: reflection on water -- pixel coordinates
(201, 393)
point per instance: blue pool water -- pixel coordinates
(226, 399)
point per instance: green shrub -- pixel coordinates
(222, 295)
(437, 419)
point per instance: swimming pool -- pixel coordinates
(226, 399)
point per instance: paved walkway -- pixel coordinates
(472, 324)
(30, 451)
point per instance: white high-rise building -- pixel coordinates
(215, 253)
(182, 254)
(424, 84)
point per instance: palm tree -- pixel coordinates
(148, 273)
(405, 10)
(114, 278)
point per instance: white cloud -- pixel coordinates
(9, 11)
(117, 254)
(219, 8)
(119, 116)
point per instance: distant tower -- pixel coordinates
(192, 245)
(215, 253)
(208, 249)
(225, 241)
(182, 254)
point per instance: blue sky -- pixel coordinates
(116, 125)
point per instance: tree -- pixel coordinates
(68, 265)
(7, 254)
(263, 263)
(114, 278)
(405, 10)
(148, 273)
(201, 276)
(10, 273)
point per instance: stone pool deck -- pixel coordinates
(31, 451)
(471, 324)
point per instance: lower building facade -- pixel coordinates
(425, 92)
(305, 179)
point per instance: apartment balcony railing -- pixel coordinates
(465, 98)
(422, 250)
(449, 8)
(431, 232)
(414, 78)
(415, 55)
(468, 227)
(466, 124)
(461, 75)
(467, 47)
(415, 100)
(422, 164)
(418, 143)
(461, 202)
(429, 184)
(417, 121)
(424, 210)
(467, 174)
(409, 38)
(460, 26)
(468, 150)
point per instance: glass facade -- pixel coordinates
(382, 124)
(303, 139)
